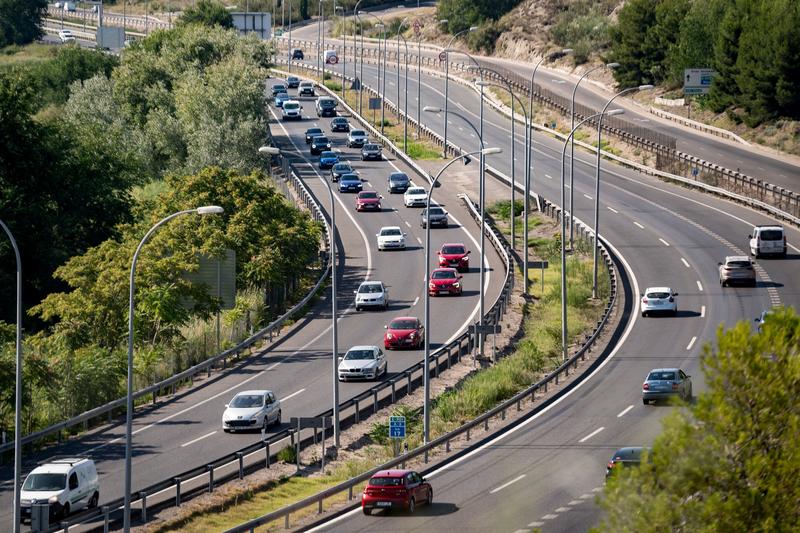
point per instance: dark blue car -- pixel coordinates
(350, 183)
(327, 159)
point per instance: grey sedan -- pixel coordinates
(665, 383)
(438, 217)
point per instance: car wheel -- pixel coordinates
(366, 510)
(675, 312)
(65, 510)
(429, 500)
(358, 308)
(94, 500)
(277, 421)
(646, 402)
(411, 506)
(644, 314)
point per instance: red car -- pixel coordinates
(454, 255)
(396, 489)
(404, 332)
(445, 281)
(368, 200)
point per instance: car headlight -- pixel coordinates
(412, 335)
(432, 285)
(456, 284)
(53, 499)
(389, 336)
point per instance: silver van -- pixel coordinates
(66, 484)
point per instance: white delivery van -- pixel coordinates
(66, 484)
(767, 240)
(330, 57)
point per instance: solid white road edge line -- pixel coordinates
(185, 444)
(506, 484)
(592, 434)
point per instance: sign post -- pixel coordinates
(542, 265)
(324, 422)
(696, 81)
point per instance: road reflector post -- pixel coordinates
(177, 481)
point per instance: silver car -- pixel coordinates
(371, 294)
(737, 269)
(362, 362)
(251, 409)
(665, 383)
(357, 138)
(438, 217)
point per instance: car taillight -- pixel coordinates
(644, 300)
(611, 464)
(646, 386)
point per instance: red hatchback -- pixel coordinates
(445, 281)
(396, 489)
(368, 200)
(404, 332)
(454, 255)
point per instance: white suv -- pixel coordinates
(767, 240)
(65, 484)
(306, 88)
(66, 36)
(291, 110)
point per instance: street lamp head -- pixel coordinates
(613, 112)
(567, 51)
(210, 210)
(473, 28)
(645, 87)
(431, 109)
(482, 83)
(442, 21)
(492, 150)
(612, 65)
(269, 150)
(379, 25)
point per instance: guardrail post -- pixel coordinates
(503, 414)
(358, 415)
(349, 493)
(266, 447)
(240, 456)
(106, 510)
(286, 521)
(393, 391)
(177, 481)
(408, 388)
(486, 424)
(66, 527)
(319, 509)
(143, 497)
(210, 469)
(374, 402)
(468, 433)
(447, 446)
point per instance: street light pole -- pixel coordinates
(597, 183)
(355, 57)
(205, 210)
(381, 91)
(572, 151)
(447, 77)
(405, 106)
(17, 386)
(563, 229)
(426, 361)
(344, 47)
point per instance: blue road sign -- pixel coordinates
(397, 427)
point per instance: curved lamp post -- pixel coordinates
(17, 385)
(405, 106)
(572, 149)
(360, 74)
(380, 90)
(563, 228)
(597, 183)
(426, 369)
(272, 150)
(344, 47)
(205, 210)
(446, 51)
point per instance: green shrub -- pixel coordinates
(288, 455)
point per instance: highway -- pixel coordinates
(546, 472)
(185, 431)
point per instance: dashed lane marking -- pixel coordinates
(699, 286)
(691, 343)
(612, 209)
(592, 434)
(625, 411)
(504, 485)
(685, 262)
(663, 241)
(638, 225)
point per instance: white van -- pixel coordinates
(66, 484)
(767, 240)
(330, 57)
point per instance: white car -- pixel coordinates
(357, 138)
(291, 110)
(659, 300)
(415, 196)
(251, 409)
(66, 36)
(362, 362)
(371, 294)
(305, 88)
(391, 238)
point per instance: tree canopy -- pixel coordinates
(207, 13)
(730, 462)
(20, 21)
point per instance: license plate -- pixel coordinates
(383, 504)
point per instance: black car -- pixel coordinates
(297, 53)
(340, 124)
(624, 457)
(350, 183)
(339, 169)
(398, 182)
(371, 151)
(313, 132)
(292, 82)
(278, 88)
(319, 144)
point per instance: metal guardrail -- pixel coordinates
(516, 401)
(187, 375)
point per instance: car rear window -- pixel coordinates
(372, 288)
(403, 324)
(658, 295)
(661, 376)
(738, 264)
(386, 481)
(771, 235)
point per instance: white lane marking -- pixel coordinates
(685, 262)
(638, 225)
(550, 517)
(504, 485)
(587, 196)
(292, 395)
(416, 300)
(699, 286)
(419, 240)
(185, 444)
(575, 502)
(522, 531)
(624, 411)
(691, 343)
(597, 489)
(612, 209)
(562, 509)
(592, 434)
(702, 311)
(663, 241)
(585, 496)
(536, 524)
(407, 224)
(548, 176)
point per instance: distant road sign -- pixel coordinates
(442, 56)
(485, 329)
(697, 80)
(332, 60)
(397, 427)
(539, 264)
(417, 27)
(374, 103)
(356, 85)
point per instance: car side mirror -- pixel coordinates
(749, 236)
(378, 235)
(385, 326)
(756, 319)
(381, 197)
(226, 405)
(674, 293)
(469, 252)
(339, 358)
(438, 253)
(405, 234)
(720, 264)
(460, 277)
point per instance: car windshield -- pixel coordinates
(45, 482)
(403, 324)
(368, 194)
(371, 147)
(443, 274)
(312, 131)
(371, 288)
(771, 235)
(390, 232)
(398, 177)
(342, 166)
(453, 250)
(359, 355)
(386, 482)
(415, 190)
(320, 139)
(738, 264)
(661, 376)
(324, 155)
(350, 177)
(340, 121)
(247, 400)
(658, 295)
(291, 105)
(279, 88)
(357, 133)
(435, 211)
